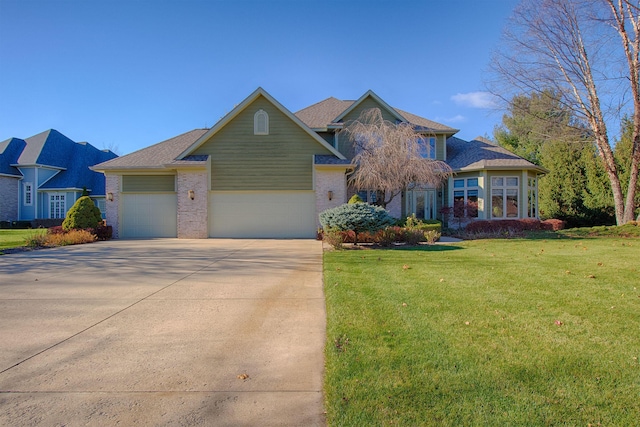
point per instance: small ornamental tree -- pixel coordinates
(356, 217)
(83, 214)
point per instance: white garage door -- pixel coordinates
(148, 215)
(278, 214)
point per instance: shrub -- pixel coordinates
(552, 224)
(432, 236)
(355, 199)
(83, 214)
(103, 232)
(388, 236)
(56, 230)
(356, 217)
(502, 226)
(72, 237)
(36, 240)
(334, 238)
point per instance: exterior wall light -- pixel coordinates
(192, 194)
(110, 197)
(330, 194)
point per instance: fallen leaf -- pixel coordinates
(558, 323)
(590, 276)
(467, 323)
(441, 280)
(243, 377)
(404, 304)
(405, 267)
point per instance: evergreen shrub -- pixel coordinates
(83, 214)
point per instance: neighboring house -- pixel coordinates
(41, 177)
(263, 172)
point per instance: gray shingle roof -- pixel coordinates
(321, 114)
(155, 156)
(482, 154)
(328, 159)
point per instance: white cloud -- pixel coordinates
(475, 100)
(455, 119)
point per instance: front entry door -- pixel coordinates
(422, 204)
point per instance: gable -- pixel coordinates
(279, 160)
(345, 146)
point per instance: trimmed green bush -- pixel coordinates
(83, 214)
(356, 217)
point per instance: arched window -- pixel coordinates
(261, 123)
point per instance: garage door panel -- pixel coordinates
(262, 214)
(149, 215)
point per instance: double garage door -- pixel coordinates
(278, 214)
(281, 214)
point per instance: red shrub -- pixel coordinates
(503, 225)
(56, 230)
(553, 224)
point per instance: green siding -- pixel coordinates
(282, 160)
(148, 183)
(344, 145)
(441, 147)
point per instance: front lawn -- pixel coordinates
(486, 332)
(15, 238)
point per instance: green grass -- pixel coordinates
(16, 238)
(483, 333)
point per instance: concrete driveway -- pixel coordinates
(163, 332)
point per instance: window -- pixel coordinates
(369, 196)
(504, 197)
(427, 147)
(261, 123)
(102, 205)
(465, 198)
(57, 206)
(28, 193)
(532, 197)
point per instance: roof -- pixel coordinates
(326, 159)
(50, 148)
(10, 150)
(481, 153)
(77, 173)
(53, 149)
(155, 156)
(324, 113)
(244, 104)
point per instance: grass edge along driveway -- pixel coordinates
(486, 332)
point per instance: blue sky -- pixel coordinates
(128, 74)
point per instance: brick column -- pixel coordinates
(329, 180)
(113, 207)
(193, 215)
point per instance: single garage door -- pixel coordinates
(278, 214)
(148, 215)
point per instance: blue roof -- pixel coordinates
(51, 148)
(9, 152)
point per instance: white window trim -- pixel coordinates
(62, 199)
(465, 189)
(26, 185)
(504, 187)
(425, 141)
(258, 129)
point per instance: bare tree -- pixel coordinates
(586, 51)
(391, 157)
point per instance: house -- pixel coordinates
(41, 177)
(263, 171)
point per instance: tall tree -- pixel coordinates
(541, 129)
(391, 157)
(578, 49)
